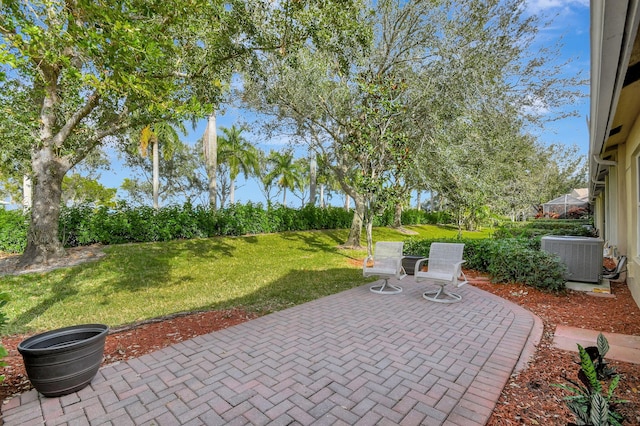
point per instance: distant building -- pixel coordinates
(566, 206)
(580, 194)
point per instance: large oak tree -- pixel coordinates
(76, 74)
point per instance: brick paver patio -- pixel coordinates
(354, 358)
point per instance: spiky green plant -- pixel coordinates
(588, 403)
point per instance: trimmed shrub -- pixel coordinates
(85, 224)
(540, 227)
(13, 231)
(506, 260)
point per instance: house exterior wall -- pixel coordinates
(598, 216)
(628, 206)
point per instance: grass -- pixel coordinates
(261, 273)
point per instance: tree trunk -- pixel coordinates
(313, 167)
(397, 215)
(232, 192)
(355, 233)
(284, 197)
(369, 228)
(156, 175)
(322, 196)
(210, 149)
(418, 200)
(346, 202)
(27, 194)
(43, 243)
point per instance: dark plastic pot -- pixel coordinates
(63, 361)
(409, 263)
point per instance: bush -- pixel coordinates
(540, 227)
(527, 232)
(13, 231)
(85, 224)
(506, 260)
(512, 260)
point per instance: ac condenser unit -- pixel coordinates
(582, 255)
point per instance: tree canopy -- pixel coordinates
(471, 81)
(76, 74)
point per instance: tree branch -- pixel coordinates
(74, 120)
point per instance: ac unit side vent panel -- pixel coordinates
(582, 255)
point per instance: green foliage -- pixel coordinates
(13, 231)
(77, 189)
(597, 353)
(540, 228)
(506, 260)
(588, 404)
(532, 267)
(86, 224)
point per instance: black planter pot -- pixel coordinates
(409, 263)
(63, 361)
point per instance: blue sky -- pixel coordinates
(570, 25)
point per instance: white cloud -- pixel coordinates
(537, 6)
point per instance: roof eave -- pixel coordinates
(614, 24)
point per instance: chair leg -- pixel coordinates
(442, 296)
(386, 288)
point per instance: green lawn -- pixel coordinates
(135, 282)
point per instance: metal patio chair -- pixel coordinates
(386, 263)
(444, 268)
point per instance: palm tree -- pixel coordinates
(210, 153)
(154, 134)
(238, 154)
(285, 171)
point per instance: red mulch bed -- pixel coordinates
(128, 342)
(528, 398)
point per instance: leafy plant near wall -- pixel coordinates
(589, 404)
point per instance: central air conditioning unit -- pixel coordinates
(582, 255)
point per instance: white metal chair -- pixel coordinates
(386, 263)
(444, 269)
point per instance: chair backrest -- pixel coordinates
(443, 255)
(388, 249)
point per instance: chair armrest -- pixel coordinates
(418, 263)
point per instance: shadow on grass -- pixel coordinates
(63, 288)
(317, 240)
(295, 288)
(148, 266)
(159, 259)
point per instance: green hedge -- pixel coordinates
(84, 225)
(541, 227)
(505, 260)
(13, 231)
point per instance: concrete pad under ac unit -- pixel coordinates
(604, 287)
